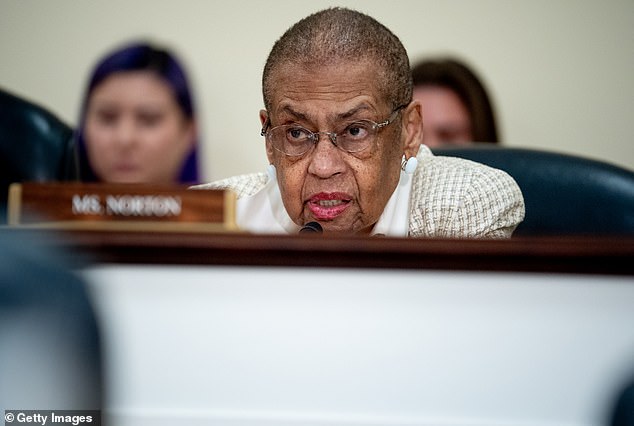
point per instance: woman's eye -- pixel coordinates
(357, 130)
(150, 119)
(107, 117)
(296, 133)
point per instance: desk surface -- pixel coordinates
(245, 330)
(608, 256)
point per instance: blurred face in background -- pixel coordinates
(445, 117)
(135, 131)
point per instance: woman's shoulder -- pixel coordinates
(457, 197)
(243, 185)
(458, 174)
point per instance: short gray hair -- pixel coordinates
(340, 34)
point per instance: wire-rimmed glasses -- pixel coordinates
(356, 136)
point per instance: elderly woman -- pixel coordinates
(343, 138)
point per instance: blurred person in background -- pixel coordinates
(137, 121)
(456, 106)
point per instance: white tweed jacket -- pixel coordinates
(450, 198)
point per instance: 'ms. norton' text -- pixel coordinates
(127, 205)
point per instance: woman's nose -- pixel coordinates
(125, 133)
(326, 159)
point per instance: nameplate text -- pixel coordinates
(71, 202)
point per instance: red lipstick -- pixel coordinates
(328, 205)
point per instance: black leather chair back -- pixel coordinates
(35, 145)
(564, 194)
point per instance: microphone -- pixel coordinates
(311, 227)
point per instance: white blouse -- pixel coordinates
(264, 212)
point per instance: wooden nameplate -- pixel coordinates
(134, 207)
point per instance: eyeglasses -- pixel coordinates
(294, 140)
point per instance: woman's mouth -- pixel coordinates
(327, 206)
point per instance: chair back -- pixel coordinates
(564, 194)
(35, 145)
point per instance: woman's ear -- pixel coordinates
(264, 117)
(264, 121)
(412, 128)
(192, 132)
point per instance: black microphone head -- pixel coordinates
(311, 227)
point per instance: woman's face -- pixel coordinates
(445, 117)
(135, 131)
(344, 192)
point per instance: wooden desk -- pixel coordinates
(591, 255)
(262, 330)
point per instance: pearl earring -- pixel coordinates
(410, 165)
(271, 172)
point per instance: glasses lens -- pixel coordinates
(357, 136)
(291, 140)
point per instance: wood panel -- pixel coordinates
(129, 207)
(552, 254)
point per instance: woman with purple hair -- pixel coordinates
(137, 122)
